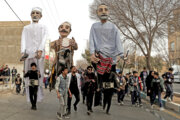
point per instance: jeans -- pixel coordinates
(121, 95)
(159, 98)
(108, 93)
(135, 95)
(63, 104)
(18, 88)
(169, 91)
(13, 78)
(77, 97)
(144, 85)
(33, 95)
(89, 101)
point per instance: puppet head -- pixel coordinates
(64, 29)
(36, 14)
(103, 12)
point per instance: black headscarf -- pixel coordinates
(148, 80)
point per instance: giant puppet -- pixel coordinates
(105, 46)
(64, 48)
(33, 49)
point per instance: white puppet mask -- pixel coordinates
(103, 12)
(36, 14)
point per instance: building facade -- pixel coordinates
(10, 43)
(174, 38)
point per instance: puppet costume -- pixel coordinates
(33, 39)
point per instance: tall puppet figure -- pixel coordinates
(64, 48)
(33, 43)
(105, 46)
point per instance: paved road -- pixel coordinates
(15, 107)
(176, 87)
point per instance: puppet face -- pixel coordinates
(103, 12)
(36, 15)
(64, 29)
(74, 70)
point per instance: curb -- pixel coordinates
(176, 94)
(169, 105)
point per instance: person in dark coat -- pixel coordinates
(149, 79)
(90, 88)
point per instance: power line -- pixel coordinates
(51, 11)
(49, 16)
(56, 10)
(14, 12)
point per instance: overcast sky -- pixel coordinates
(54, 13)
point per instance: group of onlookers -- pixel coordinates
(6, 74)
(148, 82)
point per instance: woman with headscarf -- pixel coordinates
(148, 84)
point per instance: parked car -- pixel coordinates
(177, 77)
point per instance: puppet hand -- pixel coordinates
(70, 95)
(94, 59)
(72, 42)
(38, 54)
(58, 96)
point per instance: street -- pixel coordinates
(176, 87)
(15, 107)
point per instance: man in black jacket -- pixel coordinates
(34, 76)
(90, 88)
(143, 76)
(18, 81)
(169, 80)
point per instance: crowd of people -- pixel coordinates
(12, 77)
(86, 83)
(98, 83)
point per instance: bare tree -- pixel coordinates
(140, 21)
(81, 64)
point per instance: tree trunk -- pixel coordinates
(148, 64)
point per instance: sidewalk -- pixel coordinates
(173, 105)
(5, 88)
(15, 107)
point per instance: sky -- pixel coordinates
(54, 13)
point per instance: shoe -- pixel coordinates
(75, 107)
(91, 111)
(161, 109)
(169, 99)
(136, 105)
(35, 108)
(66, 116)
(68, 113)
(140, 104)
(88, 112)
(122, 103)
(152, 106)
(58, 116)
(108, 113)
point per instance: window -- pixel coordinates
(172, 46)
(171, 29)
(178, 43)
